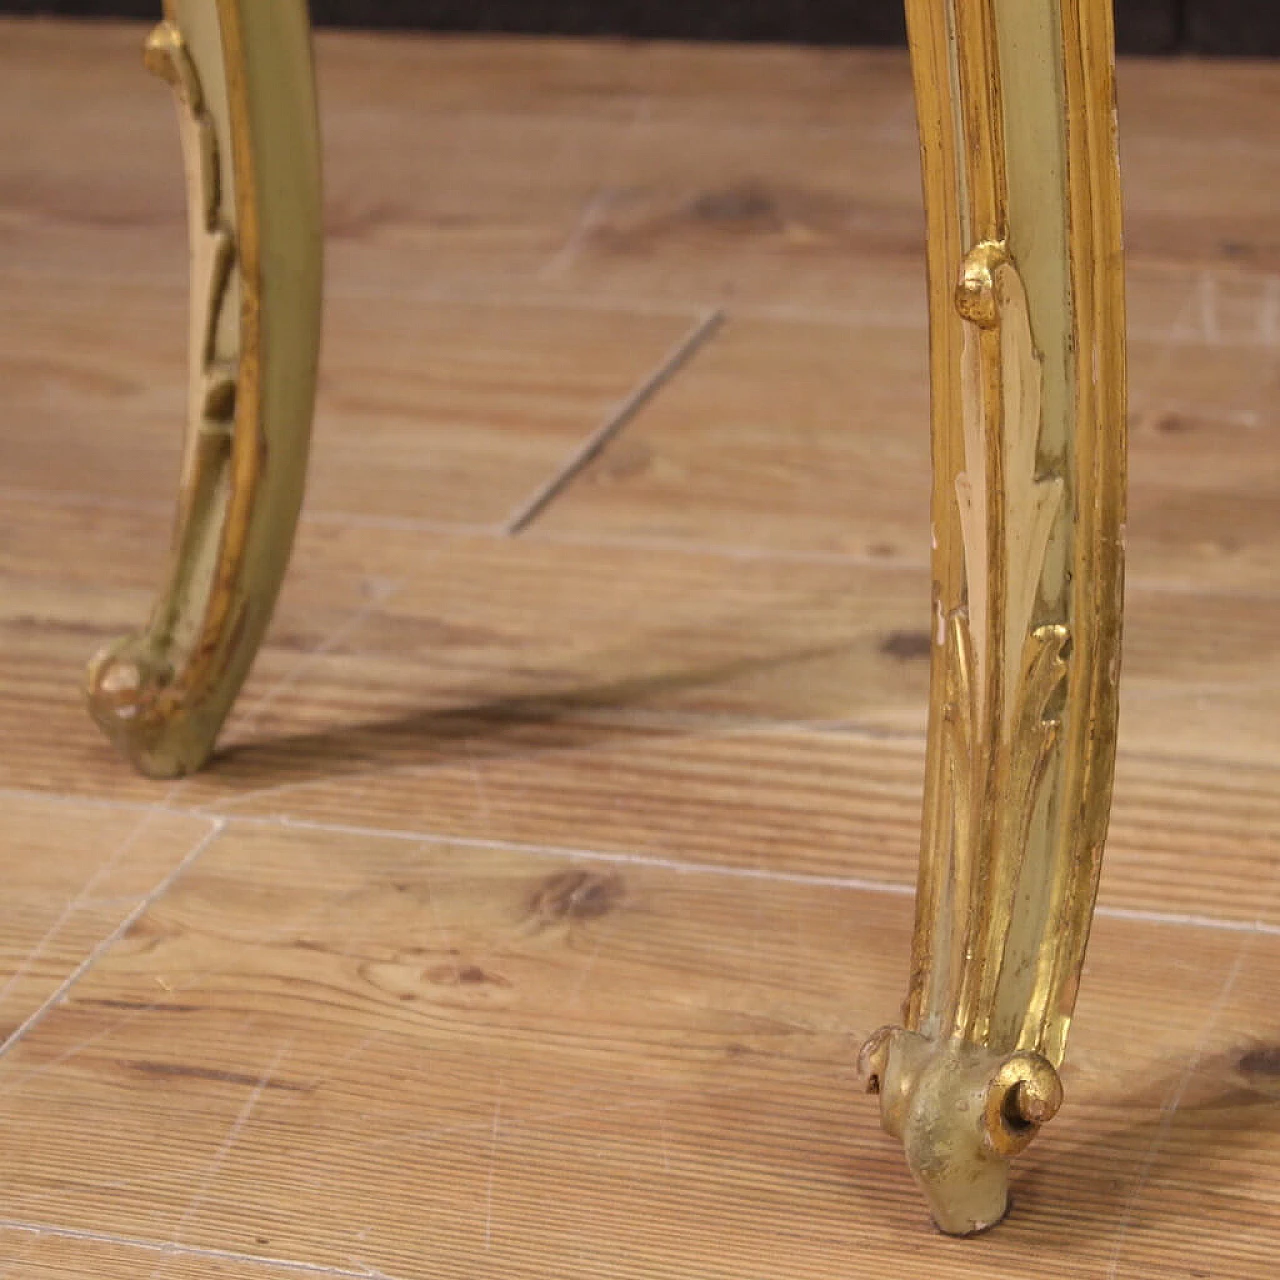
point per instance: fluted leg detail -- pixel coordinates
(1016, 108)
(242, 78)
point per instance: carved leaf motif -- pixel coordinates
(1003, 673)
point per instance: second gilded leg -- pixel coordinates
(1016, 109)
(241, 74)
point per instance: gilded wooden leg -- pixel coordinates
(241, 74)
(1025, 284)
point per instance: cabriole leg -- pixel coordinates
(1016, 112)
(241, 74)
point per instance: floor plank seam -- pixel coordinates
(572, 853)
(192, 1251)
(502, 531)
(551, 753)
(854, 883)
(217, 825)
(224, 821)
(489, 293)
(1139, 915)
(667, 368)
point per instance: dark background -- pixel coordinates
(1142, 26)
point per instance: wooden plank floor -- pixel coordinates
(529, 921)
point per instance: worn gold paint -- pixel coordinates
(1019, 160)
(241, 73)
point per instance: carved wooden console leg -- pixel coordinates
(1026, 296)
(241, 74)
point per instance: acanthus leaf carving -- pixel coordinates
(1003, 671)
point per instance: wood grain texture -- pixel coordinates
(50, 1255)
(564, 872)
(765, 177)
(420, 1059)
(679, 184)
(392, 631)
(74, 873)
(783, 434)
(807, 436)
(447, 412)
(760, 713)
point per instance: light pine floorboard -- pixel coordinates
(419, 401)
(801, 435)
(529, 921)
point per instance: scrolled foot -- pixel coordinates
(130, 695)
(961, 1112)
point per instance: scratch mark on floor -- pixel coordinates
(217, 826)
(666, 1141)
(169, 1250)
(1206, 294)
(22, 1252)
(228, 1143)
(1268, 330)
(77, 902)
(380, 593)
(477, 783)
(575, 996)
(593, 215)
(493, 1168)
(581, 854)
(1174, 1100)
(331, 1069)
(438, 924)
(587, 1102)
(671, 364)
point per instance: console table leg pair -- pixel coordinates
(1016, 114)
